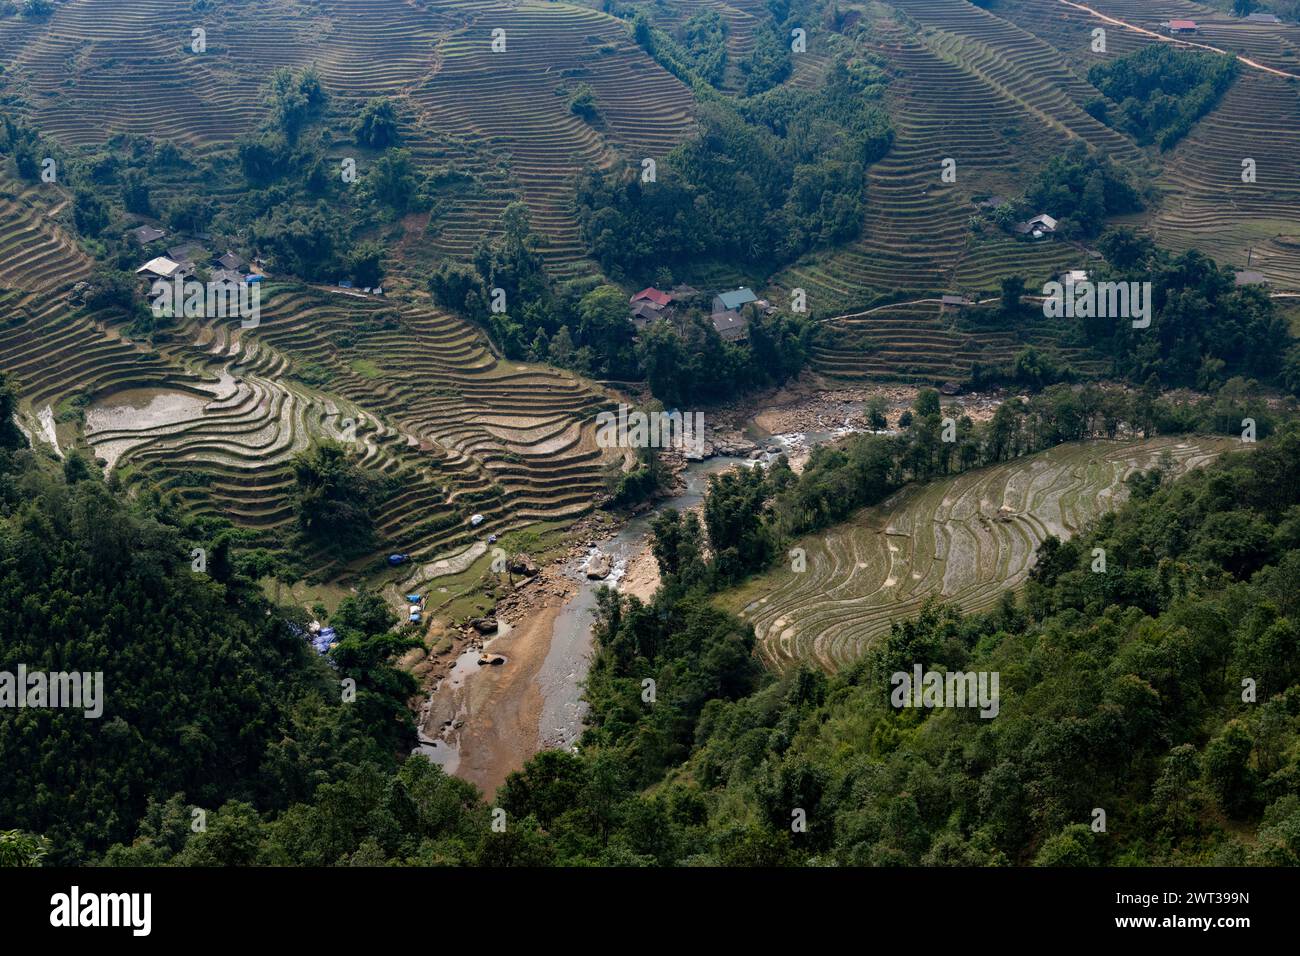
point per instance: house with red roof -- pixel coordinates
(649, 305)
(1182, 26)
(653, 296)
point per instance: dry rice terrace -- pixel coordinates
(948, 539)
(99, 67)
(1204, 203)
(1001, 91)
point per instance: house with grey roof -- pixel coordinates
(731, 324)
(645, 313)
(230, 261)
(147, 234)
(187, 252)
(1038, 227)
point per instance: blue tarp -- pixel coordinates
(414, 598)
(396, 558)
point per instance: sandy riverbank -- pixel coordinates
(484, 717)
(641, 579)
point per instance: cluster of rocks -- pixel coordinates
(733, 445)
(534, 591)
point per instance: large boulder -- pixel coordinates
(522, 564)
(599, 566)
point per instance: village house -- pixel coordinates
(1246, 277)
(731, 324)
(230, 261)
(660, 300)
(644, 314)
(733, 300)
(162, 267)
(1263, 18)
(1182, 26)
(949, 302)
(649, 305)
(147, 234)
(187, 250)
(1040, 226)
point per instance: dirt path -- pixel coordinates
(894, 305)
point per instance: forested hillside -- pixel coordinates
(1125, 691)
(209, 692)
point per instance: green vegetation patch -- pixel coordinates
(1158, 93)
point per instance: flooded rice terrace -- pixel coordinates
(138, 408)
(120, 421)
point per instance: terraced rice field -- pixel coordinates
(969, 86)
(215, 413)
(100, 67)
(920, 343)
(942, 540)
(462, 432)
(1000, 92)
(508, 100)
(51, 350)
(1204, 203)
(1273, 45)
(1207, 205)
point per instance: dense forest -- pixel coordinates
(209, 691)
(1204, 331)
(766, 179)
(1121, 691)
(1158, 93)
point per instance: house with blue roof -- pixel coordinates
(733, 300)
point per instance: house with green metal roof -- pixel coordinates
(733, 300)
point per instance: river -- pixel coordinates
(481, 722)
(565, 667)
